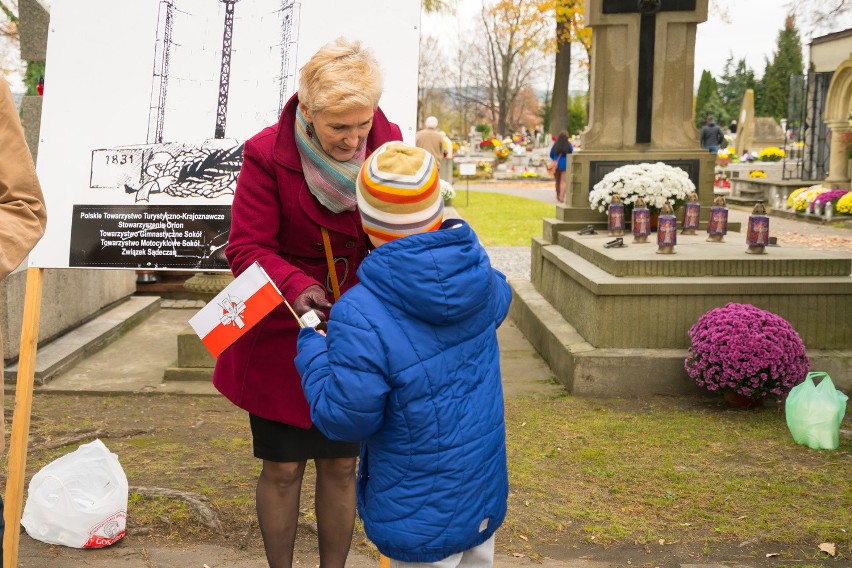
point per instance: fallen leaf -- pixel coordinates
(523, 537)
(518, 555)
(829, 548)
(741, 517)
(771, 554)
(662, 541)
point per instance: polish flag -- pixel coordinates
(236, 309)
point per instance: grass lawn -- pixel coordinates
(502, 220)
(660, 471)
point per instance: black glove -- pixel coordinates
(313, 298)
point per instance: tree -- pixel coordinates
(707, 89)
(431, 6)
(9, 37)
(577, 113)
(820, 17)
(431, 71)
(732, 85)
(786, 64)
(512, 34)
(570, 27)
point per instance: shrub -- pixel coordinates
(746, 350)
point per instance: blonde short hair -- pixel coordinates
(341, 76)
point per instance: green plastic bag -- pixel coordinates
(814, 413)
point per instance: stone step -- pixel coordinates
(67, 349)
(586, 370)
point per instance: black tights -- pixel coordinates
(278, 491)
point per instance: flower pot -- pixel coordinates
(739, 401)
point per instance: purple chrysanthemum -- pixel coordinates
(829, 196)
(747, 350)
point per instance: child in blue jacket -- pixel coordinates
(410, 367)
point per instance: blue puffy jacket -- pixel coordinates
(411, 367)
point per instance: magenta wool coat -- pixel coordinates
(276, 221)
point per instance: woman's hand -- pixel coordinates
(313, 298)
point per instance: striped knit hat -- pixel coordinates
(399, 192)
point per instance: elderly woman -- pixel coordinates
(294, 212)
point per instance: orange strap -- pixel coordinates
(332, 272)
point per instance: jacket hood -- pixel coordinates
(437, 277)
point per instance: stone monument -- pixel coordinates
(745, 124)
(640, 107)
(614, 321)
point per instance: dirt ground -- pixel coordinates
(200, 445)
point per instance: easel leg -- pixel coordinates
(19, 438)
(384, 561)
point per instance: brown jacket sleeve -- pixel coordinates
(22, 213)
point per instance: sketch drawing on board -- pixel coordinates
(196, 55)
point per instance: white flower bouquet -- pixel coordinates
(655, 183)
(447, 191)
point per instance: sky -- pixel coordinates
(752, 34)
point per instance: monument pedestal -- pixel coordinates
(194, 362)
(615, 322)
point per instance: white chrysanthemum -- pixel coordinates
(656, 183)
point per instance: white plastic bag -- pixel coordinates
(78, 500)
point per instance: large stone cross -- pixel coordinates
(643, 57)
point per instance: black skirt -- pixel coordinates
(279, 442)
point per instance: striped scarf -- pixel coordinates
(331, 182)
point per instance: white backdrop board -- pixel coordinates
(147, 104)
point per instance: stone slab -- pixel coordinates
(31, 121)
(694, 256)
(588, 371)
(34, 21)
(657, 312)
(69, 297)
(64, 351)
(191, 351)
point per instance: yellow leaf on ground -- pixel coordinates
(829, 548)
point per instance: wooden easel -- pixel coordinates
(19, 439)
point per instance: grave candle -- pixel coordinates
(615, 214)
(691, 215)
(641, 222)
(666, 230)
(757, 236)
(718, 225)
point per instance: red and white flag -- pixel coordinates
(236, 309)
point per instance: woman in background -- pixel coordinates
(558, 153)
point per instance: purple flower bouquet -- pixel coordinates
(827, 197)
(746, 350)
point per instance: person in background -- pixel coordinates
(732, 127)
(559, 154)
(23, 217)
(711, 136)
(411, 367)
(295, 213)
(430, 138)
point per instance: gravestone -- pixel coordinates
(640, 108)
(614, 321)
(745, 124)
(69, 297)
(767, 132)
